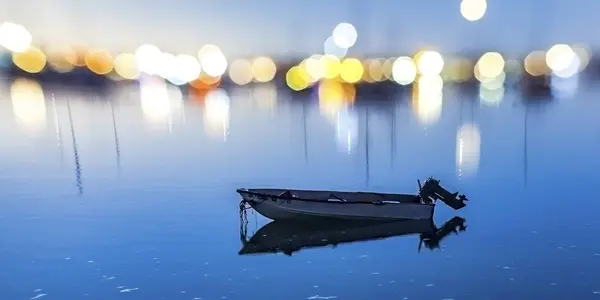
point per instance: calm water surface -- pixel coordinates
(113, 197)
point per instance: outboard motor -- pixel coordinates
(434, 191)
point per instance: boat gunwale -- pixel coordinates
(247, 191)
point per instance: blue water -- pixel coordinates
(151, 212)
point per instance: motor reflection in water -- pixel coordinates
(291, 236)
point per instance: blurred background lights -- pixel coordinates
(31, 60)
(429, 63)
(14, 37)
(297, 78)
(126, 67)
(351, 70)
(212, 60)
(535, 63)
(473, 10)
(61, 59)
(99, 61)
(375, 69)
(404, 70)
(186, 68)
(560, 58)
(314, 67)
(240, 72)
(148, 58)
(263, 69)
(490, 65)
(344, 35)
(333, 49)
(331, 66)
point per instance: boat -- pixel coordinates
(289, 237)
(287, 204)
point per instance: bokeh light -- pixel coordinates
(263, 69)
(297, 78)
(562, 60)
(61, 59)
(429, 63)
(331, 48)
(473, 10)
(240, 72)
(375, 69)
(212, 60)
(404, 70)
(314, 66)
(31, 60)
(535, 63)
(489, 66)
(186, 68)
(126, 67)
(351, 70)
(331, 66)
(14, 37)
(99, 61)
(344, 35)
(148, 59)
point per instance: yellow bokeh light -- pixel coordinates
(31, 60)
(263, 69)
(331, 66)
(126, 67)
(473, 10)
(490, 65)
(297, 79)
(535, 63)
(99, 61)
(429, 63)
(351, 70)
(28, 103)
(61, 59)
(314, 66)
(240, 72)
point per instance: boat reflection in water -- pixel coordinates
(291, 236)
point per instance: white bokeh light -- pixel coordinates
(344, 35)
(331, 48)
(212, 60)
(149, 59)
(404, 70)
(14, 37)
